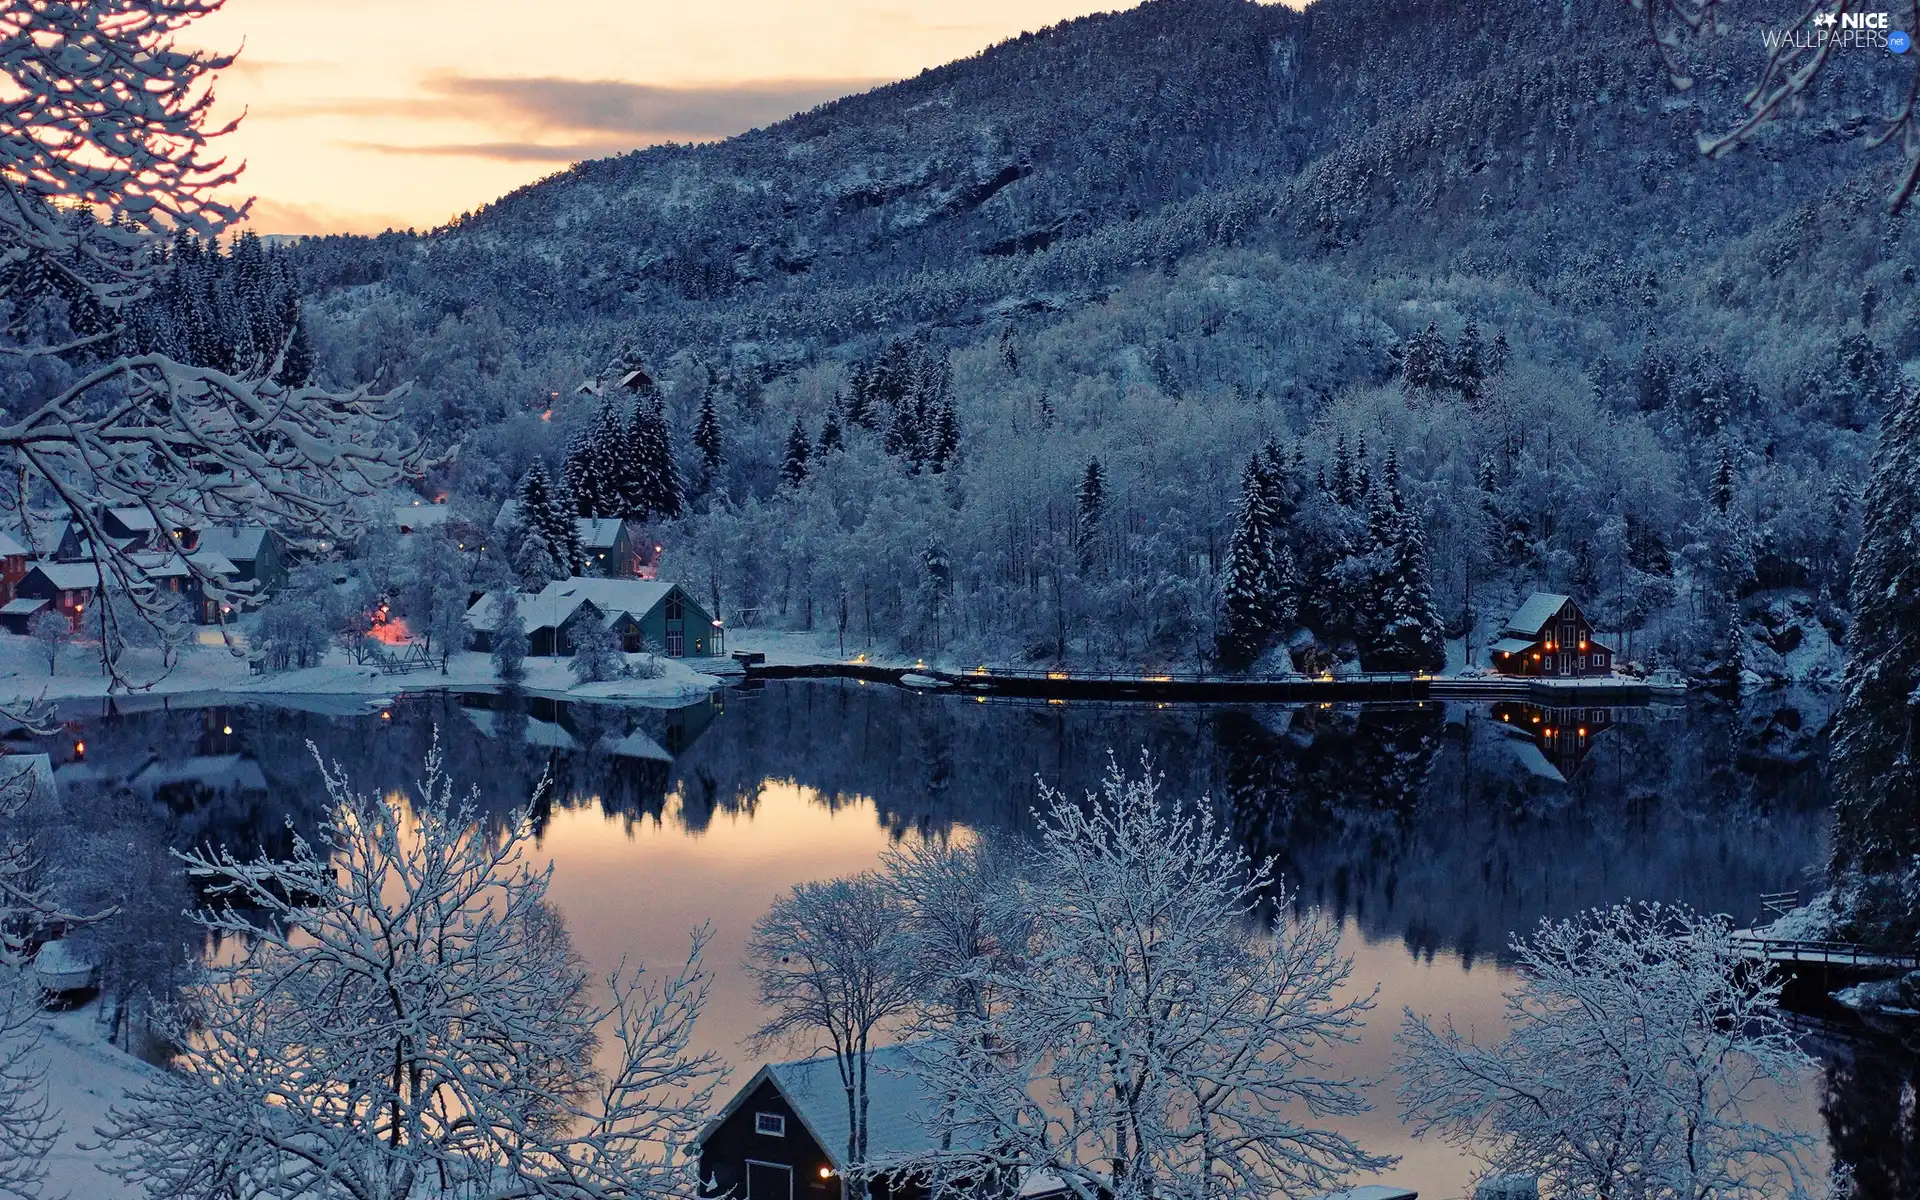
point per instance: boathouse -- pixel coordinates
(1549, 637)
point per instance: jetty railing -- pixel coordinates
(1830, 953)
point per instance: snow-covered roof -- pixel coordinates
(239, 543)
(635, 745)
(10, 546)
(508, 516)
(29, 773)
(1372, 1191)
(22, 607)
(222, 772)
(536, 612)
(1536, 612)
(137, 519)
(598, 533)
(1530, 756)
(1511, 645)
(69, 576)
(899, 1114)
(420, 516)
(535, 732)
(169, 566)
(610, 596)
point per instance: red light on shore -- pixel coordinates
(79, 749)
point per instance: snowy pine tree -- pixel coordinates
(656, 487)
(1091, 507)
(1404, 631)
(1343, 489)
(793, 468)
(1876, 734)
(1248, 618)
(945, 440)
(706, 439)
(1468, 370)
(1423, 365)
(1498, 355)
(832, 439)
(510, 646)
(548, 536)
(1723, 479)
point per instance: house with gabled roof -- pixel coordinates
(786, 1134)
(659, 614)
(254, 550)
(67, 586)
(1549, 637)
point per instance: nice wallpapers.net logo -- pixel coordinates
(1841, 31)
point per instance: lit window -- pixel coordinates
(771, 1124)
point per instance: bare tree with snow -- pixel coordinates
(405, 1016)
(1156, 1035)
(833, 965)
(106, 148)
(50, 631)
(960, 933)
(1641, 1045)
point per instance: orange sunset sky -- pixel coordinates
(369, 114)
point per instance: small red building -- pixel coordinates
(13, 566)
(1548, 636)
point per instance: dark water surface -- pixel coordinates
(1430, 832)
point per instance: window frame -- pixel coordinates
(768, 1124)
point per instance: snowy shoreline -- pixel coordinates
(208, 675)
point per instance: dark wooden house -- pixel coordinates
(68, 587)
(784, 1136)
(1549, 637)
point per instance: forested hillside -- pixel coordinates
(1460, 269)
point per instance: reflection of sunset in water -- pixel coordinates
(635, 892)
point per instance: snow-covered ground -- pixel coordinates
(85, 1077)
(214, 669)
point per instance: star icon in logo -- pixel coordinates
(1826, 18)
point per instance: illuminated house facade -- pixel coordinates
(1549, 637)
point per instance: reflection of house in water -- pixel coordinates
(1551, 742)
(620, 756)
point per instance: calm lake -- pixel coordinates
(1430, 832)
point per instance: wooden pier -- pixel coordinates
(1815, 969)
(1199, 688)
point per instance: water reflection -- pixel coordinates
(1431, 831)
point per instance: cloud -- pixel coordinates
(270, 216)
(545, 152)
(644, 112)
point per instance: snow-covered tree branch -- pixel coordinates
(1641, 1045)
(1801, 53)
(405, 1017)
(1155, 1036)
(105, 149)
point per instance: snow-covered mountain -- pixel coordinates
(1198, 224)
